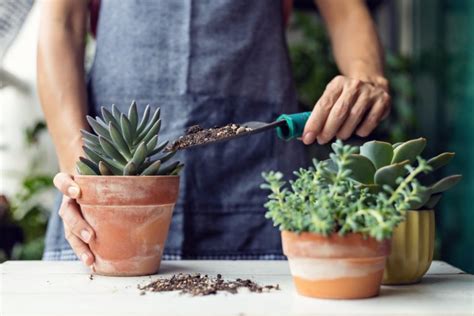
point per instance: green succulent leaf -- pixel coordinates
(445, 184)
(113, 165)
(152, 122)
(84, 169)
(108, 117)
(119, 141)
(140, 154)
(144, 121)
(167, 156)
(98, 128)
(422, 195)
(434, 199)
(168, 169)
(150, 145)
(409, 150)
(177, 170)
(133, 116)
(380, 153)
(126, 130)
(116, 113)
(130, 169)
(388, 175)
(159, 148)
(396, 145)
(90, 164)
(441, 160)
(362, 169)
(152, 169)
(104, 169)
(111, 151)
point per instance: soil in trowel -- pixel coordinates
(201, 285)
(196, 135)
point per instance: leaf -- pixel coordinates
(331, 165)
(119, 141)
(144, 121)
(98, 128)
(110, 150)
(441, 160)
(362, 168)
(116, 113)
(177, 170)
(409, 150)
(133, 117)
(126, 129)
(167, 156)
(84, 169)
(108, 117)
(434, 199)
(90, 164)
(154, 119)
(114, 166)
(152, 144)
(396, 145)
(154, 130)
(90, 137)
(445, 184)
(380, 153)
(388, 175)
(104, 169)
(152, 169)
(373, 188)
(139, 155)
(130, 169)
(168, 169)
(159, 148)
(423, 196)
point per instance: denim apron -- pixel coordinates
(207, 62)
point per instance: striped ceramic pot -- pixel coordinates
(412, 248)
(335, 267)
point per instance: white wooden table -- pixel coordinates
(64, 288)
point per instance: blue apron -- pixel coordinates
(207, 62)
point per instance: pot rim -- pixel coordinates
(125, 177)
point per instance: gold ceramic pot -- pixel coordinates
(412, 249)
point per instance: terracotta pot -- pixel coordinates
(412, 249)
(335, 267)
(130, 216)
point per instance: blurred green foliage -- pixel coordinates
(25, 218)
(314, 66)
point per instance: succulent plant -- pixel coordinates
(124, 145)
(381, 164)
(322, 201)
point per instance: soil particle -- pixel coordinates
(91, 277)
(196, 135)
(202, 285)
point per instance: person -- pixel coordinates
(208, 63)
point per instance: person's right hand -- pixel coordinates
(78, 233)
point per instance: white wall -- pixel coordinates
(20, 109)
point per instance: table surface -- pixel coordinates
(65, 288)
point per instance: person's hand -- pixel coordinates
(347, 106)
(78, 233)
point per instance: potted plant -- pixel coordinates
(381, 163)
(128, 191)
(335, 232)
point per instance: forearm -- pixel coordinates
(354, 39)
(61, 83)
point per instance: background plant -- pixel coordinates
(123, 145)
(381, 164)
(325, 200)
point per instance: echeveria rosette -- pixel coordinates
(325, 199)
(126, 145)
(381, 164)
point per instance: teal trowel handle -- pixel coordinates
(294, 125)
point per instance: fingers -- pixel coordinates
(373, 119)
(80, 248)
(321, 110)
(356, 115)
(78, 232)
(339, 112)
(66, 185)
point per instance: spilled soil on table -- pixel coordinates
(201, 285)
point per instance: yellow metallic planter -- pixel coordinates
(412, 249)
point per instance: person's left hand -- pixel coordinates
(347, 106)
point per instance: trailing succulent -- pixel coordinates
(380, 163)
(324, 200)
(123, 145)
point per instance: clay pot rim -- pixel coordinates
(335, 234)
(125, 177)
